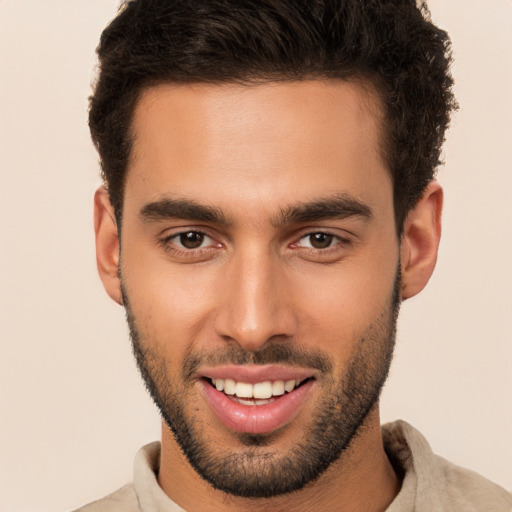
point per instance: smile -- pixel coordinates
(259, 393)
(256, 400)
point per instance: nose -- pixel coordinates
(256, 304)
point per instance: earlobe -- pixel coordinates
(107, 244)
(420, 241)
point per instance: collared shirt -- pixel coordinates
(430, 483)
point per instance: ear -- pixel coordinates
(107, 244)
(420, 241)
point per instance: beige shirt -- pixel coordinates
(430, 483)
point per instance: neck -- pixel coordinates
(361, 479)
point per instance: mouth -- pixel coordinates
(256, 400)
(257, 394)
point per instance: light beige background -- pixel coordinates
(72, 409)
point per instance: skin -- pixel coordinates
(252, 152)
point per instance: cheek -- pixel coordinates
(338, 306)
(170, 304)
(348, 296)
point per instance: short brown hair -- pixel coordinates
(391, 43)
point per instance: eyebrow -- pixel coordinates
(171, 208)
(340, 206)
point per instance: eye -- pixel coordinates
(190, 246)
(318, 240)
(190, 240)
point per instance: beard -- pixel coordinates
(254, 470)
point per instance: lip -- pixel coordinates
(257, 373)
(255, 419)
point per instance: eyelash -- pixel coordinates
(168, 245)
(338, 244)
(339, 240)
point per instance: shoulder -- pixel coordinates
(477, 493)
(124, 499)
(430, 482)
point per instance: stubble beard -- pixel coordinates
(252, 470)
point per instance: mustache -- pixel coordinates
(276, 353)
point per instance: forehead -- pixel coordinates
(276, 141)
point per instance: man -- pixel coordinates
(269, 200)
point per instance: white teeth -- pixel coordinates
(278, 388)
(243, 390)
(229, 386)
(253, 402)
(260, 390)
(289, 385)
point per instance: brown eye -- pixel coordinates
(320, 240)
(191, 239)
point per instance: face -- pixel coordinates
(259, 269)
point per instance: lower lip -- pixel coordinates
(256, 419)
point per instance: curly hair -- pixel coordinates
(391, 44)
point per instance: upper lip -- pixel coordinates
(256, 373)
